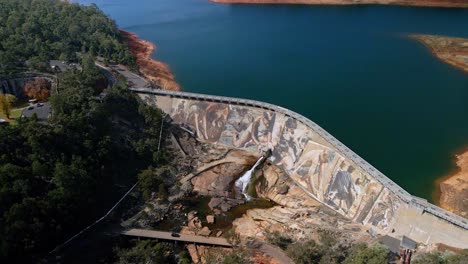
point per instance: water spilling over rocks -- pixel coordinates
(244, 181)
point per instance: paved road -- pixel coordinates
(133, 79)
(217, 241)
(42, 111)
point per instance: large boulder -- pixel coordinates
(210, 219)
(205, 231)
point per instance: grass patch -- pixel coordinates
(14, 115)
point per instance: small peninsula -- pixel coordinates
(453, 51)
(427, 3)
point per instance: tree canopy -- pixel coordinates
(445, 258)
(56, 178)
(39, 30)
(145, 251)
(329, 251)
(38, 89)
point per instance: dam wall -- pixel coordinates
(317, 162)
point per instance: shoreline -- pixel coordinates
(153, 70)
(414, 3)
(454, 170)
(451, 191)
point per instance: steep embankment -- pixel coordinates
(454, 188)
(153, 70)
(431, 3)
(453, 51)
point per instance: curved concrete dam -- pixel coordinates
(317, 162)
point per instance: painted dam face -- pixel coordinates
(313, 163)
(310, 161)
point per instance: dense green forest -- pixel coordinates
(57, 178)
(40, 30)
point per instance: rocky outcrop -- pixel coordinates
(218, 176)
(223, 204)
(297, 215)
(454, 189)
(300, 224)
(433, 3)
(210, 219)
(453, 51)
(278, 187)
(205, 231)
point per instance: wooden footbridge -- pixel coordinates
(161, 235)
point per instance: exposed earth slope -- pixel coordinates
(454, 190)
(153, 70)
(432, 3)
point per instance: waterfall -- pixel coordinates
(243, 181)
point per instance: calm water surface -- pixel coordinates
(349, 69)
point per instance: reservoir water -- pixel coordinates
(350, 69)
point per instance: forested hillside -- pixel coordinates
(55, 179)
(40, 30)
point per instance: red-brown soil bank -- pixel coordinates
(432, 3)
(454, 188)
(153, 70)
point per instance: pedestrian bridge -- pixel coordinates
(162, 235)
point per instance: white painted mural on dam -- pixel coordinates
(300, 152)
(312, 162)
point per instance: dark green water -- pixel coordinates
(349, 69)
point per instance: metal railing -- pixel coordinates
(348, 153)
